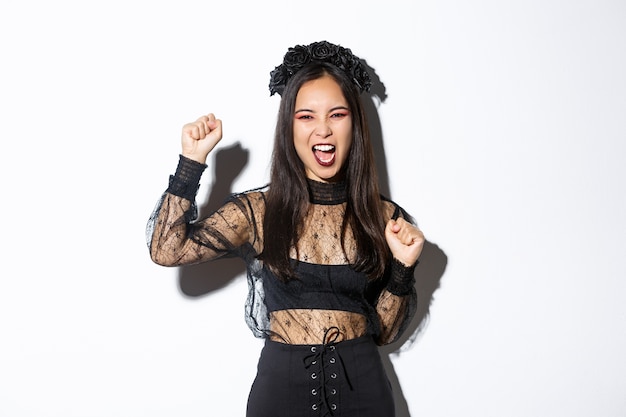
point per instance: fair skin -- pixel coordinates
(322, 129)
(322, 137)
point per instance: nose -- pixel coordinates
(323, 129)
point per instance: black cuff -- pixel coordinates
(402, 279)
(186, 181)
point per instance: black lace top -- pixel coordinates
(328, 292)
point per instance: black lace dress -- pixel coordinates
(329, 308)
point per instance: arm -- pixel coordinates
(397, 301)
(173, 236)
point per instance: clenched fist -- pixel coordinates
(405, 241)
(200, 137)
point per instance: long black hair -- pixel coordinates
(288, 197)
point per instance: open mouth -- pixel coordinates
(324, 154)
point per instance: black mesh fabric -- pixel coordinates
(328, 292)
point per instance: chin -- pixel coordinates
(334, 177)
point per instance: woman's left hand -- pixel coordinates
(405, 241)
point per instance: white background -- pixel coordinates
(504, 134)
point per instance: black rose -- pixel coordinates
(361, 77)
(296, 58)
(341, 60)
(299, 56)
(278, 78)
(322, 50)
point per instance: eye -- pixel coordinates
(338, 115)
(303, 115)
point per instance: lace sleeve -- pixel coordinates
(396, 303)
(175, 236)
(395, 297)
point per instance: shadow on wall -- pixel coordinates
(201, 279)
(428, 274)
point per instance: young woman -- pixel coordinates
(330, 262)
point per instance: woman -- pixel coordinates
(329, 261)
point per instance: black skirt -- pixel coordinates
(344, 379)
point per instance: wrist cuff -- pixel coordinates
(186, 181)
(402, 279)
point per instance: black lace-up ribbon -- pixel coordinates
(320, 359)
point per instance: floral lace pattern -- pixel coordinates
(236, 229)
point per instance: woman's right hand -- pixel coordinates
(200, 137)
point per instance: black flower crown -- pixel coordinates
(299, 56)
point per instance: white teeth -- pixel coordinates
(324, 148)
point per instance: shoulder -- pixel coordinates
(393, 210)
(252, 194)
(252, 199)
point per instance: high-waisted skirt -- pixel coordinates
(344, 379)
